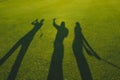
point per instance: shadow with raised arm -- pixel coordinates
(56, 71)
(24, 43)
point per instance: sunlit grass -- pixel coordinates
(100, 25)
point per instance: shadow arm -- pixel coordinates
(55, 25)
(87, 44)
(89, 50)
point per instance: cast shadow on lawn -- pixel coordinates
(56, 71)
(24, 43)
(79, 43)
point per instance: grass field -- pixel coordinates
(100, 22)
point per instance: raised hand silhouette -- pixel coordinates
(24, 42)
(56, 71)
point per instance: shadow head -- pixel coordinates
(42, 20)
(62, 24)
(78, 27)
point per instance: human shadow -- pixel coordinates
(56, 71)
(24, 43)
(79, 43)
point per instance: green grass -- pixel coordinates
(100, 25)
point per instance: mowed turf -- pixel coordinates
(100, 22)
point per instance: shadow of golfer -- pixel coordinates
(78, 44)
(24, 42)
(56, 71)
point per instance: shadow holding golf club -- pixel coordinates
(24, 43)
(56, 71)
(78, 44)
